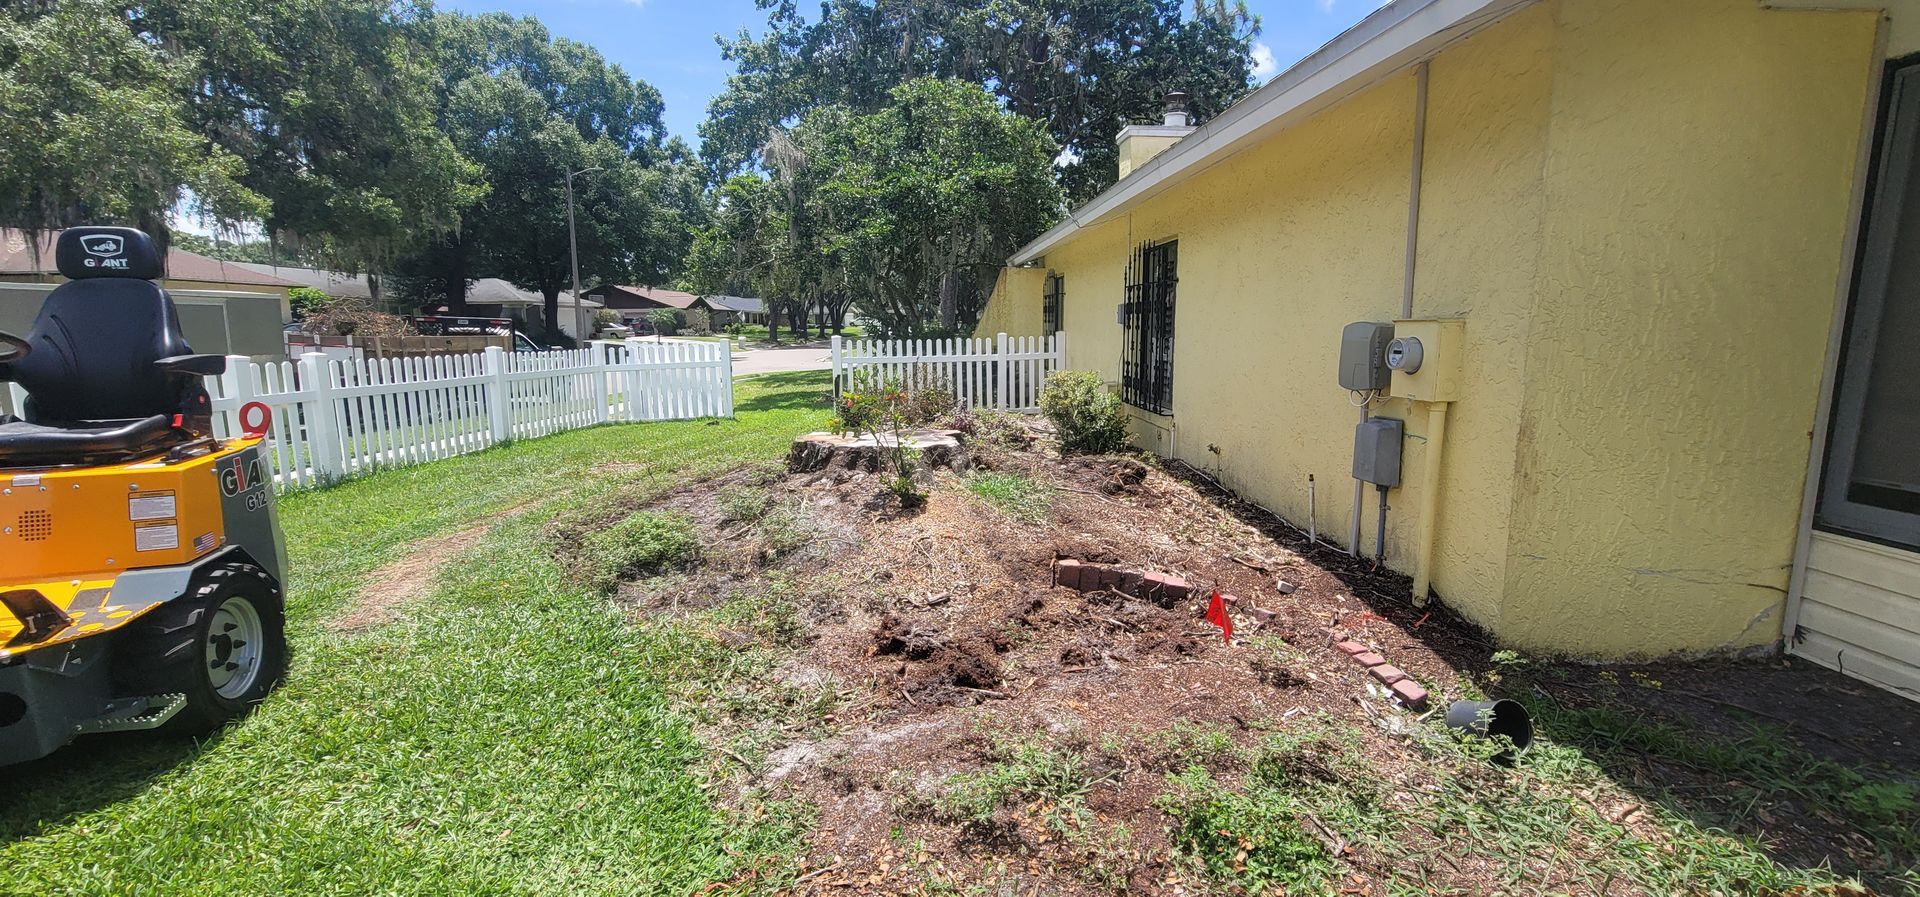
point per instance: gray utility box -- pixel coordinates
(1363, 355)
(1376, 450)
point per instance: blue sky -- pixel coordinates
(669, 43)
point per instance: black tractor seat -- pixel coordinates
(24, 444)
(107, 373)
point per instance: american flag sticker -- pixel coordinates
(205, 543)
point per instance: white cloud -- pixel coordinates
(1326, 6)
(1263, 64)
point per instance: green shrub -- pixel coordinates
(307, 300)
(641, 545)
(1089, 418)
(884, 408)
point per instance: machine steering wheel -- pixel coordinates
(13, 348)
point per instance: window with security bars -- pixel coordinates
(1050, 299)
(1146, 363)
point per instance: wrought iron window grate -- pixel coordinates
(1050, 300)
(1146, 362)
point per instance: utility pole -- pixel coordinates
(581, 335)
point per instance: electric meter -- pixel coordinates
(1404, 354)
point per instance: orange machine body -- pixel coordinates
(69, 534)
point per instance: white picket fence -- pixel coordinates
(1003, 373)
(333, 418)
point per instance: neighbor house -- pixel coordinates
(632, 303)
(224, 307)
(726, 310)
(1663, 260)
(492, 297)
(338, 284)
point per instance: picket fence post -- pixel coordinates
(836, 365)
(1005, 372)
(726, 378)
(601, 370)
(237, 386)
(499, 423)
(322, 429)
(633, 379)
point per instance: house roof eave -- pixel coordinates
(1395, 36)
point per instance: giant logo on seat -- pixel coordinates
(107, 250)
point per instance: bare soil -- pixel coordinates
(387, 591)
(949, 641)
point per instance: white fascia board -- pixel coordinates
(1396, 36)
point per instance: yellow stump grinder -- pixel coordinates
(141, 558)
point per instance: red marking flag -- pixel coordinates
(1217, 615)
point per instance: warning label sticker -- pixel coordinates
(151, 506)
(156, 537)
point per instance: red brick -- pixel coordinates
(1261, 615)
(1410, 693)
(1166, 587)
(1368, 659)
(1387, 673)
(1128, 582)
(1066, 572)
(1351, 648)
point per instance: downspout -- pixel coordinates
(1436, 411)
(1430, 508)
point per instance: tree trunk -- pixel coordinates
(949, 300)
(454, 285)
(551, 305)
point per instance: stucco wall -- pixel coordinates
(1013, 308)
(1639, 208)
(1480, 230)
(1266, 285)
(1700, 164)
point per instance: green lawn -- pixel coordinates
(511, 735)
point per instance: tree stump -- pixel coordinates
(832, 451)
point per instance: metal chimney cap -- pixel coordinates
(1176, 114)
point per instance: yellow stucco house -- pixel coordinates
(1662, 259)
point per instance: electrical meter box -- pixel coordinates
(1363, 355)
(1376, 451)
(1424, 357)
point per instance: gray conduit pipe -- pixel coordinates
(1420, 76)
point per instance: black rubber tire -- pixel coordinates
(165, 651)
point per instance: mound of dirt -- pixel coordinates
(996, 734)
(943, 624)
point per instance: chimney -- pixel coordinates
(1140, 143)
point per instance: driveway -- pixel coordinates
(769, 361)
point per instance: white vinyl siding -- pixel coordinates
(1860, 612)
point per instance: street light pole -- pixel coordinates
(580, 333)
